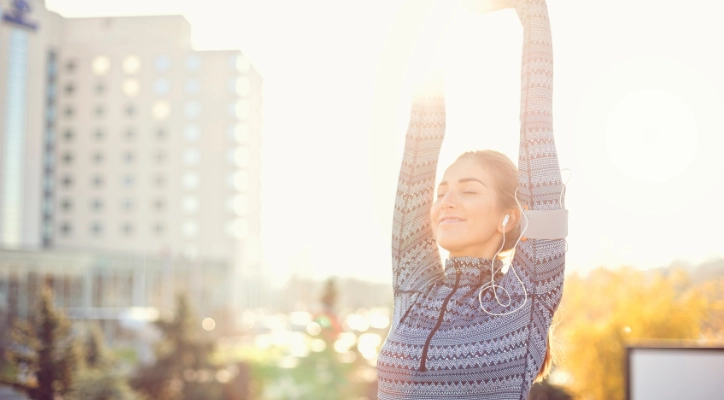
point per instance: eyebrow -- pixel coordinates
(464, 180)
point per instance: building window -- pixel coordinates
(100, 111)
(190, 204)
(191, 157)
(100, 65)
(158, 228)
(97, 205)
(240, 109)
(69, 89)
(127, 229)
(97, 228)
(162, 63)
(193, 86)
(51, 92)
(193, 62)
(67, 181)
(130, 110)
(130, 87)
(159, 180)
(128, 157)
(50, 137)
(99, 134)
(160, 156)
(100, 88)
(159, 205)
(48, 207)
(239, 205)
(161, 87)
(238, 181)
(161, 110)
(131, 65)
(240, 86)
(68, 135)
(239, 156)
(239, 133)
(70, 66)
(161, 133)
(69, 111)
(192, 133)
(97, 181)
(66, 205)
(65, 228)
(50, 114)
(192, 110)
(98, 157)
(68, 158)
(49, 160)
(190, 180)
(130, 133)
(127, 205)
(128, 180)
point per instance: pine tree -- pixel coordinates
(182, 369)
(43, 353)
(98, 377)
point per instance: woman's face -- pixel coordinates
(465, 216)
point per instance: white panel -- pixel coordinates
(676, 374)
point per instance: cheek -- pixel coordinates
(433, 217)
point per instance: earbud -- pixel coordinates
(505, 220)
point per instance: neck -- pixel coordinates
(487, 250)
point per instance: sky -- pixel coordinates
(638, 100)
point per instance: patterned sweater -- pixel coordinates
(441, 344)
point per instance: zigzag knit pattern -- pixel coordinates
(442, 345)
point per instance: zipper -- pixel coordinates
(423, 361)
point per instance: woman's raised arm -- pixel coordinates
(415, 256)
(539, 262)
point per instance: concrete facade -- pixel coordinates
(116, 137)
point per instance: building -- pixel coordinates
(117, 138)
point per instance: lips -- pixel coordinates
(449, 220)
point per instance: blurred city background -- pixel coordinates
(196, 197)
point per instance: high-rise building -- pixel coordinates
(116, 137)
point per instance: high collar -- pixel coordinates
(471, 271)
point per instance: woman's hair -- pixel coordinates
(505, 174)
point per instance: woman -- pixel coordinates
(469, 330)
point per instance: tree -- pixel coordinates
(43, 352)
(182, 369)
(607, 309)
(98, 378)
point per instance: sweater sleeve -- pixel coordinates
(415, 255)
(539, 262)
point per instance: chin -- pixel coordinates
(448, 244)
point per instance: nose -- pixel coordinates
(448, 200)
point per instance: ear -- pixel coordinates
(513, 218)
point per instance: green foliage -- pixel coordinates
(98, 377)
(43, 353)
(183, 369)
(607, 309)
(95, 353)
(100, 384)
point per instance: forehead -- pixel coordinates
(466, 168)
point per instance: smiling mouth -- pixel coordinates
(450, 220)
